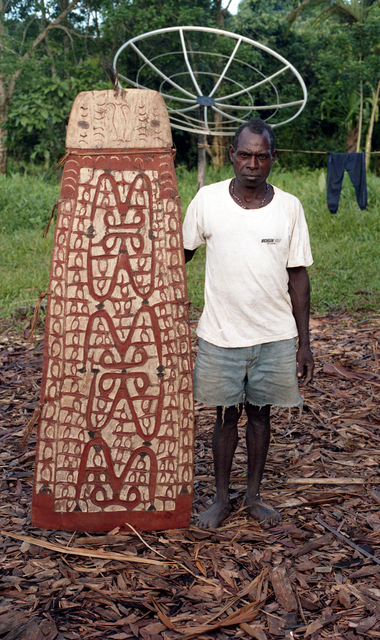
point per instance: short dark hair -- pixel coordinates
(255, 125)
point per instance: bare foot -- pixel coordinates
(262, 512)
(214, 516)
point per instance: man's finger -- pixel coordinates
(309, 374)
(301, 369)
(305, 370)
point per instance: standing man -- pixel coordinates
(257, 299)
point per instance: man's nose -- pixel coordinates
(253, 162)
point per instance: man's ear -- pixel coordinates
(232, 152)
(274, 156)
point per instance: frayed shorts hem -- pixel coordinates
(283, 405)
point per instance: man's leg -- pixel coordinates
(224, 441)
(257, 438)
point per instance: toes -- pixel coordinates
(273, 518)
(276, 518)
(213, 517)
(203, 523)
(264, 513)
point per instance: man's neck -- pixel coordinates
(250, 197)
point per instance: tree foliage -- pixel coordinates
(35, 37)
(334, 44)
(351, 58)
(52, 49)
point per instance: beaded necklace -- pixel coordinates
(239, 201)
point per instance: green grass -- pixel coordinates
(25, 205)
(345, 273)
(24, 270)
(26, 201)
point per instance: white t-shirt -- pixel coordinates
(248, 251)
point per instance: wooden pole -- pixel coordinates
(360, 119)
(202, 142)
(371, 125)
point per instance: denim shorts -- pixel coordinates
(262, 374)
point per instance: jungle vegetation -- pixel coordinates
(52, 49)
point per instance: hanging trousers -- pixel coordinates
(354, 163)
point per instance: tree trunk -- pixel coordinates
(351, 140)
(360, 119)
(3, 119)
(218, 149)
(202, 142)
(221, 13)
(370, 128)
(48, 50)
(219, 18)
(6, 94)
(202, 147)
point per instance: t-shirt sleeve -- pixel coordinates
(299, 250)
(193, 225)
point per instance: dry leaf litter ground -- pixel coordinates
(316, 575)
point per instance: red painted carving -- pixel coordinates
(115, 441)
(124, 246)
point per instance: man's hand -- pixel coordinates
(305, 364)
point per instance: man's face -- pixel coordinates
(252, 159)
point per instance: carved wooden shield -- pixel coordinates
(115, 438)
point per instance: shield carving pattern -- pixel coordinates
(115, 438)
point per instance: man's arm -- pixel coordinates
(299, 291)
(189, 254)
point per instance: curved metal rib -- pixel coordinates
(254, 86)
(192, 76)
(162, 75)
(226, 67)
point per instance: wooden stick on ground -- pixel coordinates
(343, 538)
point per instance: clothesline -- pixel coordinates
(298, 151)
(325, 153)
(321, 152)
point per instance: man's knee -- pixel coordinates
(228, 416)
(259, 412)
(258, 417)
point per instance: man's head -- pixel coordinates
(253, 153)
(255, 125)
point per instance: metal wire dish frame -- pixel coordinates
(213, 113)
